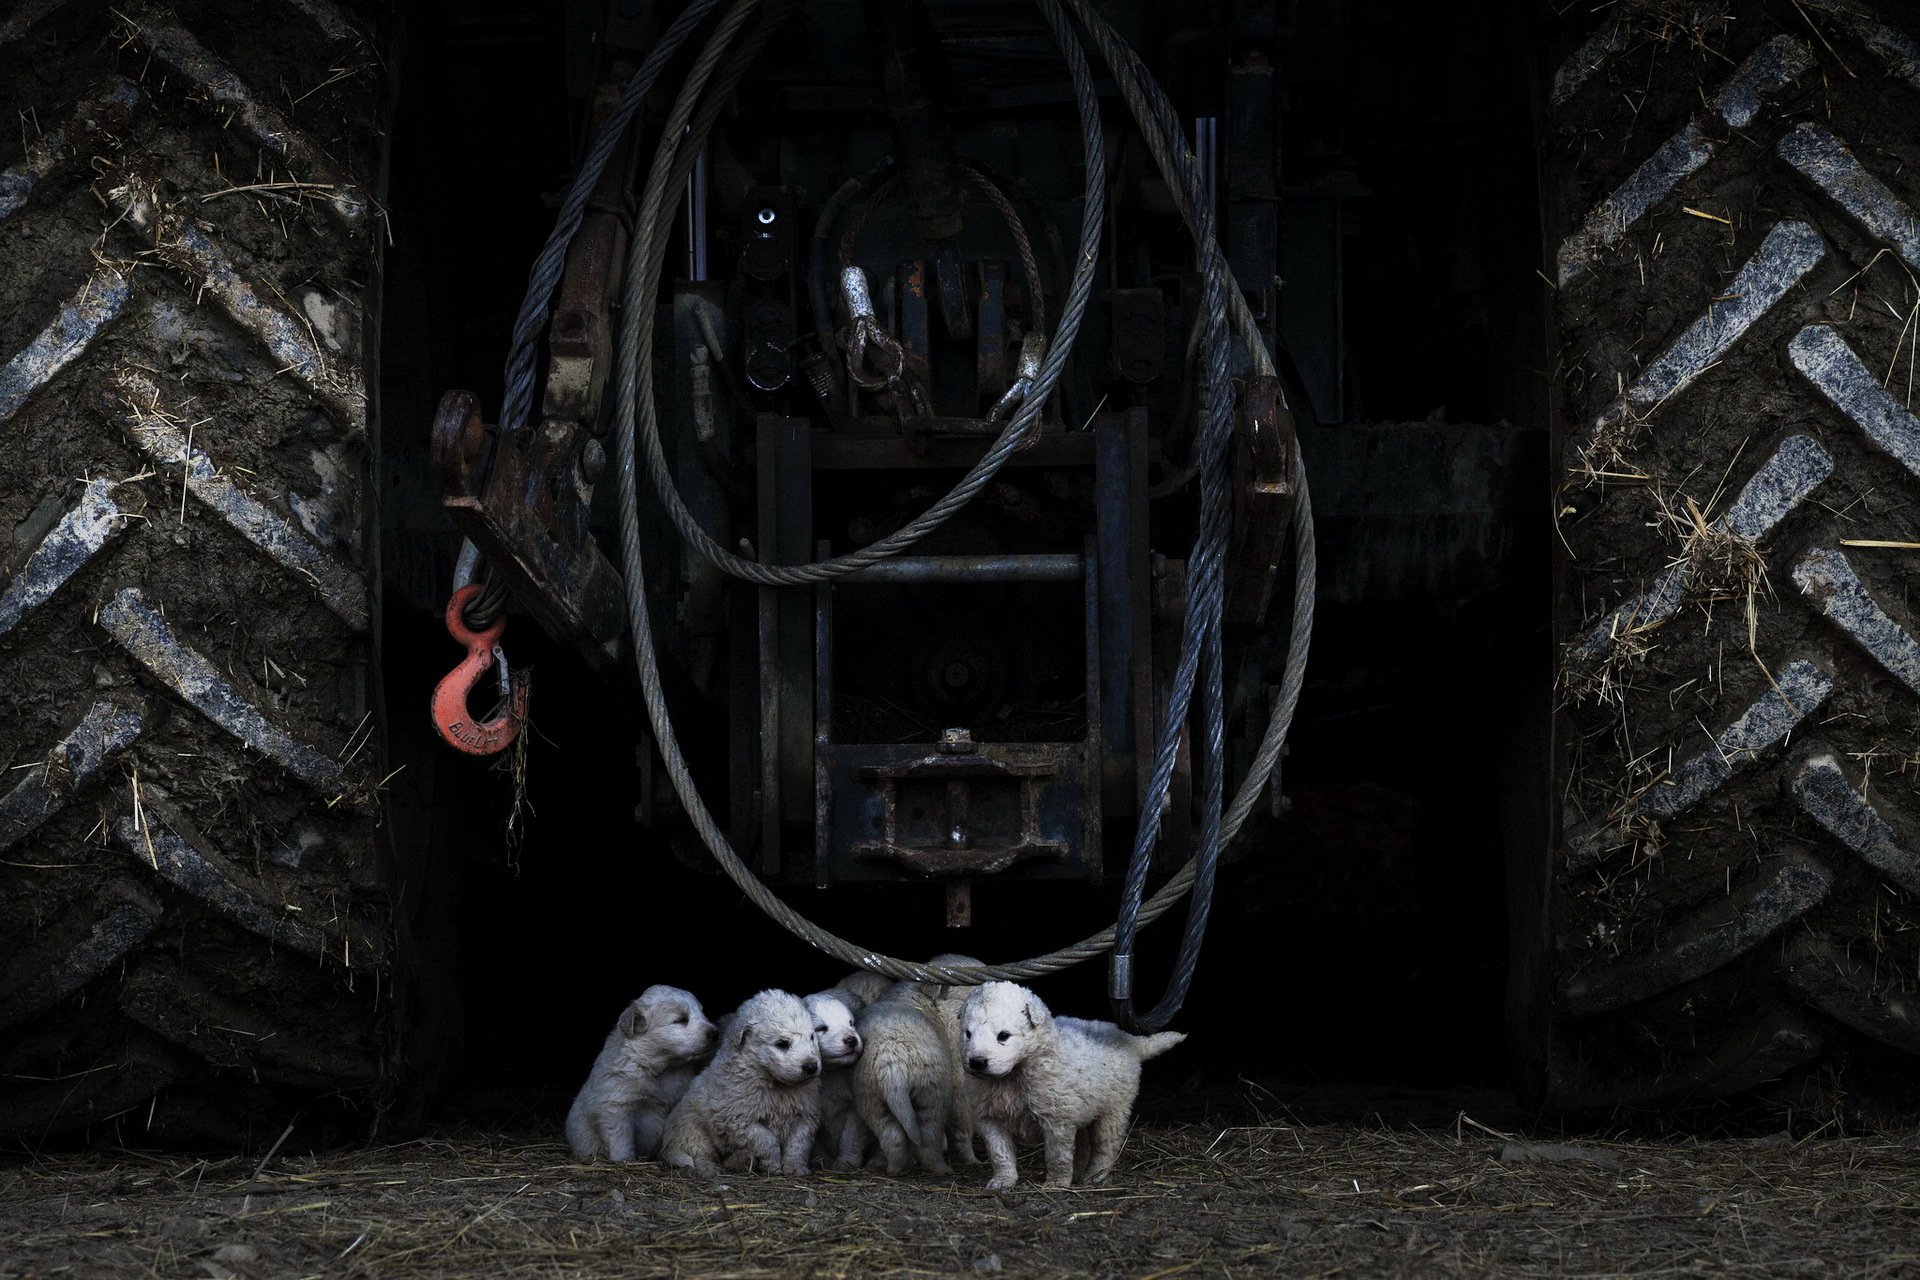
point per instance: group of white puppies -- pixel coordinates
(785, 1082)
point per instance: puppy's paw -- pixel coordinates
(1002, 1181)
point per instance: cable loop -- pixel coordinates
(636, 436)
(866, 338)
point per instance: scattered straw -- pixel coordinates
(1718, 563)
(1236, 1195)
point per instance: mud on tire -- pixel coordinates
(196, 935)
(1730, 213)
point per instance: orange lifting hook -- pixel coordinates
(450, 715)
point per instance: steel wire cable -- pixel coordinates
(1146, 100)
(640, 622)
(1201, 639)
(858, 225)
(1199, 660)
(647, 660)
(635, 398)
(544, 279)
(1022, 246)
(819, 249)
(1016, 230)
(725, 81)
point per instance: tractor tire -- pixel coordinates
(197, 931)
(1733, 248)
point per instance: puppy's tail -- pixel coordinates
(899, 1098)
(1154, 1045)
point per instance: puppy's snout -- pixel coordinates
(811, 1067)
(850, 1043)
(976, 1064)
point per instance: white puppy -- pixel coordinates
(1073, 1080)
(756, 1105)
(840, 1046)
(856, 991)
(945, 1006)
(641, 1072)
(860, 988)
(902, 1084)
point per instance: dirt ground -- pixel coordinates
(1259, 1193)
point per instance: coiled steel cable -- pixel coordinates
(1200, 657)
(1016, 230)
(1160, 127)
(544, 278)
(1022, 246)
(866, 335)
(646, 658)
(635, 398)
(640, 622)
(1136, 89)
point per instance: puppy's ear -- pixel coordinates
(632, 1021)
(1030, 1022)
(745, 1032)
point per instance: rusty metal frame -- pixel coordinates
(857, 785)
(524, 505)
(1262, 499)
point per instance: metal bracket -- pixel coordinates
(960, 807)
(1262, 499)
(961, 773)
(524, 504)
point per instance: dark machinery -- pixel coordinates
(985, 690)
(906, 430)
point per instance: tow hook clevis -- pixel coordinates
(451, 717)
(866, 337)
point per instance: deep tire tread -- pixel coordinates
(1713, 863)
(189, 600)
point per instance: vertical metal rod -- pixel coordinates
(1206, 153)
(769, 626)
(822, 724)
(1090, 757)
(697, 183)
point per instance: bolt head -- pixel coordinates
(593, 460)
